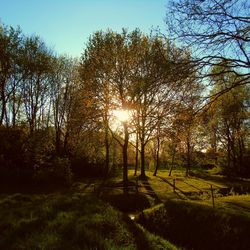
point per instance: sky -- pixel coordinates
(66, 25)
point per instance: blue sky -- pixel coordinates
(65, 25)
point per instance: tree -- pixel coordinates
(35, 94)
(96, 72)
(10, 46)
(214, 31)
(158, 78)
(105, 71)
(63, 85)
(231, 117)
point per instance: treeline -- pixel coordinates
(57, 113)
(36, 101)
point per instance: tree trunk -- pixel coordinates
(157, 156)
(125, 158)
(3, 108)
(172, 162)
(58, 141)
(228, 149)
(188, 157)
(136, 153)
(143, 160)
(106, 151)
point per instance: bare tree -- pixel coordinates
(214, 31)
(37, 65)
(10, 46)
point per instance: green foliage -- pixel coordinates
(57, 171)
(12, 146)
(23, 155)
(39, 147)
(197, 226)
(62, 170)
(229, 119)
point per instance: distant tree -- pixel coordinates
(10, 46)
(231, 117)
(63, 85)
(174, 140)
(37, 67)
(183, 132)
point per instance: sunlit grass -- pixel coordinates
(161, 187)
(237, 204)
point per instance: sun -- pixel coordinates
(122, 115)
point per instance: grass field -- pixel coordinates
(86, 215)
(69, 221)
(161, 188)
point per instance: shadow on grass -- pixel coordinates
(169, 183)
(200, 190)
(30, 189)
(127, 202)
(150, 191)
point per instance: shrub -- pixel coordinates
(56, 171)
(62, 170)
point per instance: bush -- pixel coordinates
(198, 226)
(56, 171)
(12, 147)
(62, 170)
(83, 167)
(39, 148)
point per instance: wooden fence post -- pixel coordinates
(212, 193)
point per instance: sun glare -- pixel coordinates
(121, 115)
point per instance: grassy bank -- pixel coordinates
(198, 226)
(69, 221)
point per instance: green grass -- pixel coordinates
(59, 221)
(196, 187)
(198, 226)
(77, 219)
(69, 221)
(237, 204)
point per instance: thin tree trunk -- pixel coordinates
(157, 155)
(106, 151)
(136, 153)
(188, 157)
(143, 160)
(3, 109)
(172, 162)
(58, 141)
(125, 158)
